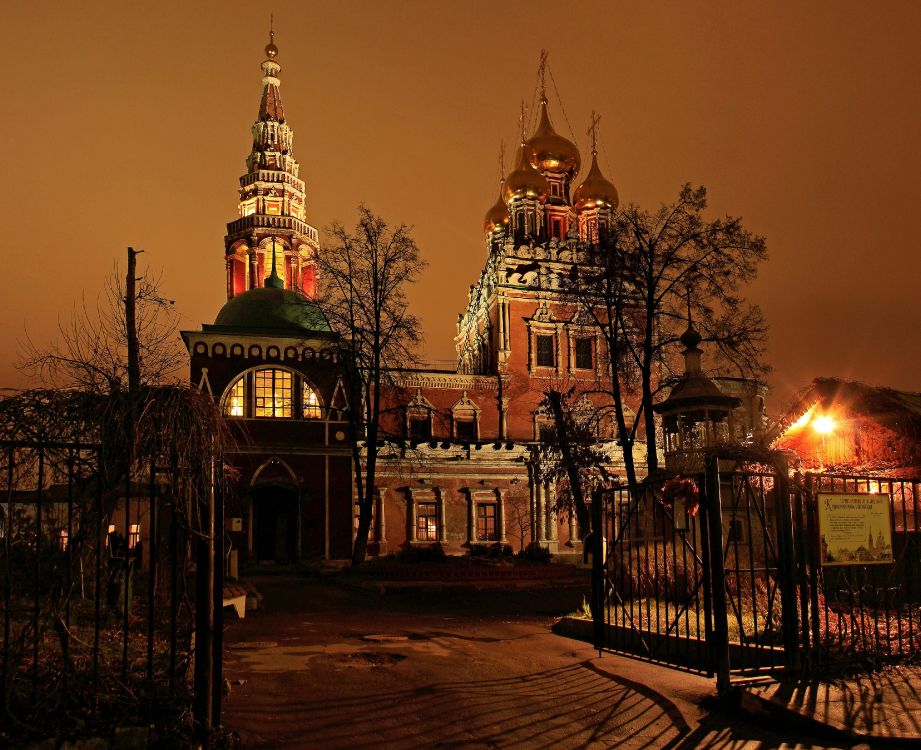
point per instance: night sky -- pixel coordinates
(128, 124)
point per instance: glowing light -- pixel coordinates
(802, 421)
(823, 424)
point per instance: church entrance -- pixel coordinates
(275, 521)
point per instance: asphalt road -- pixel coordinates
(321, 666)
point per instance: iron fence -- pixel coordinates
(736, 583)
(99, 617)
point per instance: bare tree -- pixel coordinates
(365, 273)
(648, 274)
(92, 350)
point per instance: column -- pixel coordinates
(381, 525)
(551, 512)
(573, 529)
(532, 506)
(410, 517)
(440, 505)
(500, 515)
(253, 269)
(229, 276)
(539, 503)
(471, 515)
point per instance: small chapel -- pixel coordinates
(461, 465)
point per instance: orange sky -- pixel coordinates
(128, 123)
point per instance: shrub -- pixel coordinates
(652, 570)
(496, 551)
(535, 553)
(422, 553)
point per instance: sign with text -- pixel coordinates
(855, 529)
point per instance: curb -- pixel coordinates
(766, 711)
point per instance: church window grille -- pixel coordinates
(273, 393)
(584, 358)
(486, 530)
(546, 356)
(312, 408)
(427, 522)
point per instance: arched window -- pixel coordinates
(273, 395)
(311, 403)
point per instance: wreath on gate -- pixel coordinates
(682, 490)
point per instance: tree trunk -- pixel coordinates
(555, 399)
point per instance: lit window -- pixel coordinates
(62, 539)
(273, 208)
(427, 522)
(584, 354)
(233, 404)
(134, 535)
(272, 393)
(486, 522)
(545, 353)
(311, 403)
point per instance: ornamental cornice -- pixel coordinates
(221, 345)
(446, 380)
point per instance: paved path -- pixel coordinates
(329, 668)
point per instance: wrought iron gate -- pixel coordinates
(735, 584)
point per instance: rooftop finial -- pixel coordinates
(271, 51)
(542, 73)
(274, 279)
(501, 162)
(521, 118)
(593, 132)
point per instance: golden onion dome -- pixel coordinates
(524, 181)
(549, 151)
(595, 191)
(271, 51)
(496, 219)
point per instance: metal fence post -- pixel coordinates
(598, 566)
(718, 576)
(786, 564)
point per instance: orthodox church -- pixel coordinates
(462, 462)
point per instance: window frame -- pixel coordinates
(590, 341)
(548, 337)
(300, 385)
(486, 536)
(433, 529)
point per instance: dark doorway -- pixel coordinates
(275, 520)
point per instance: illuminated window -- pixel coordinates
(427, 522)
(545, 353)
(273, 208)
(272, 393)
(584, 354)
(486, 522)
(62, 539)
(311, 403)
(248, 208)
(134, 535)
(233, 404)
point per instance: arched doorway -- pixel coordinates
(275, 522)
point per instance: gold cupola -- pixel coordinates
(524, 181)
(595, 191)
(549, 151)
(496, 220)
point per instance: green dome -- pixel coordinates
(279, 312)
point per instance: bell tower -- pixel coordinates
(272, 203)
